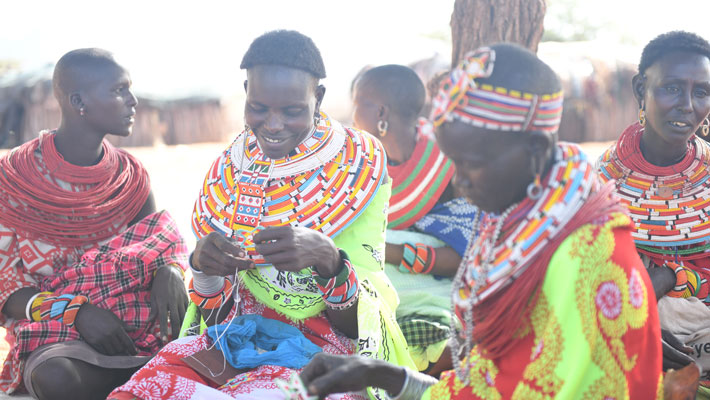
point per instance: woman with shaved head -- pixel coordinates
(90, 274)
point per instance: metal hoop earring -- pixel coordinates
(642, 117)
(705, 128)
(382, 127)
(535, 188)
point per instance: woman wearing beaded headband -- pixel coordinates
(90, 274)
(553, 298)
(428, 229)
(285, 220)
(660, 168)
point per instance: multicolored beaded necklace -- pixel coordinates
(670, 206)
(506, 245)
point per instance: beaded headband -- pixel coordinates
(496, 108)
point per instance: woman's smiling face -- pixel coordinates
(281, 105)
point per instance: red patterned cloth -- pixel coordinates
(116, 275)
(166, 376)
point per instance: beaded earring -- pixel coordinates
(642, 117)
(81, 111)
(382, 127)
(705, 127)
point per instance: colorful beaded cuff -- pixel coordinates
(63, 308)
(341, 291)
(210, 301)
(35, 309)
(688, 282)
(72, 309)
(417, 259)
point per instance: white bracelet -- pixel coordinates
(28, 307)
(415, 384)
(206, 284)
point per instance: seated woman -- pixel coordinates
(89, 273)
(554, 300)
(286, 222)
(428, 229)
(660, 168)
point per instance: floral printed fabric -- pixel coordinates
(593, 333)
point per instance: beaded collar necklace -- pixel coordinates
(670, 206)
(503, 247)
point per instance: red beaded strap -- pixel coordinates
(210, 301)
(72, 309)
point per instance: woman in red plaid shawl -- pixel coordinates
(81, 245)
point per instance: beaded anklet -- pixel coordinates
(417, 259)
(341, 291)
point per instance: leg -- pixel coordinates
(67, 378)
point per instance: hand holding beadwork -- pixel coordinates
(215, 254)
(290, 248)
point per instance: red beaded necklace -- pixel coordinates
(670, 206)
(34, 205)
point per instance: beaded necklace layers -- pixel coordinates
(508, 244)
(670, 206)
(103, 199)
(324, 184)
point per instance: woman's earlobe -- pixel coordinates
(638, 87)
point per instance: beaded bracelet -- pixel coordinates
(72, 309)
(210, 301)
(417, 259)
(53, 307)
(687, 281)
(415, 384)
(341, 291)
(36, 306)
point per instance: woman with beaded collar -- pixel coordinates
(660, 168)
(285, 221)
(551, 290)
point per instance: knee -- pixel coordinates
(56, 378)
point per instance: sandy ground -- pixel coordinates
(176, 176)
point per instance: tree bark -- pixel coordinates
(475, 23)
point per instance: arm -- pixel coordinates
(662, 279)
(446, 263)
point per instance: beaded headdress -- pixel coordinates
(461, 98)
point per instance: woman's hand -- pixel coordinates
(328, 373)
(215, 254)
(104, 331)
(676, 354)
(290, 248)
(168, 298)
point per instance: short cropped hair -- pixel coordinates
(73, 65)
(669, 42)
(286, 48)
(399, 85)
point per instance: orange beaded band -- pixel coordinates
(210, 302)
(72, 309)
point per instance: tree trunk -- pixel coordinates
(475, 23)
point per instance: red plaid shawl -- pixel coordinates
(116, 276)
